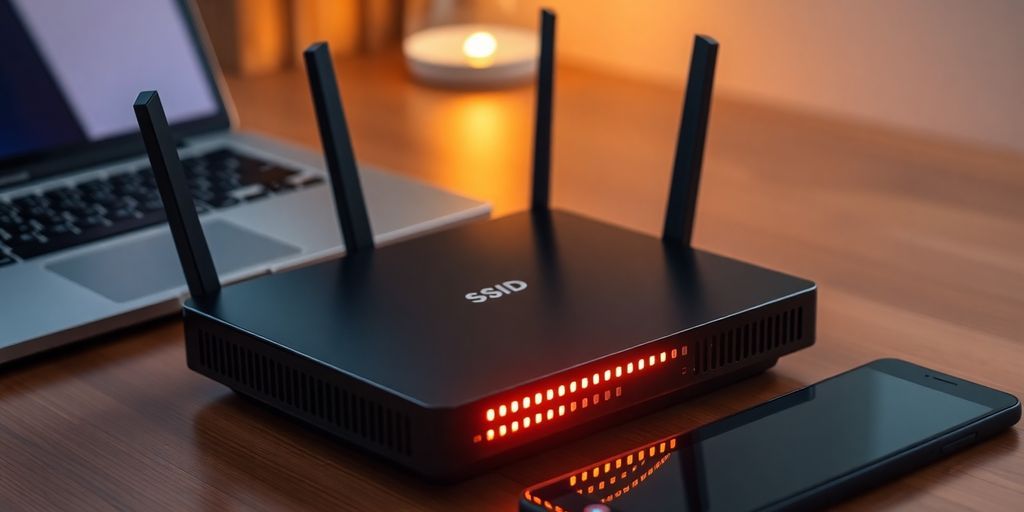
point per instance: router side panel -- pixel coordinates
(366, 416)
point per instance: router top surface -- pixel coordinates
(399, 318)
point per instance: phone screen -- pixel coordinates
(772, 451)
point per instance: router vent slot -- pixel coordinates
(308, 396)
(725, 348)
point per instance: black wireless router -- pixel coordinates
(457, 350)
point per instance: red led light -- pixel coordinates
(502, 411)
(490, 414)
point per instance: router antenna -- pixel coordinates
(682, 199)
(194, 254)
(341, 159)
(542, 129)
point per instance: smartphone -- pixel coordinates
(804, 450)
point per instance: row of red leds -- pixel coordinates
(572, 387)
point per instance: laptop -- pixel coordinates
(84, 247)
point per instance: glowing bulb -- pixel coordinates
(479, 45)
(490, 414)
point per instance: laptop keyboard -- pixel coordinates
(32, 225)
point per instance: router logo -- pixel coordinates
(496, 292)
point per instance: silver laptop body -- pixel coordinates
(73, 293)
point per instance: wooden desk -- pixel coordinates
(917, 247)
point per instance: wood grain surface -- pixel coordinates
(917, 246)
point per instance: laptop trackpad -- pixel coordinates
(135, 269)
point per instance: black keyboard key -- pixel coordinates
(310, 182)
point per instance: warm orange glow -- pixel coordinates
(561, 410)
(526, 402)
(561, 390)
(618, 371)
(595, 379)
(663, 357)
(629, 368)
(640, 364)
(514, 407)
(479, 45)
(551, 394)
(490, 435)
(607, 375)
(515, 426)
(551, 413)
(526, 422)
(502, 411)
(490, 414)
(572, 387)
(502, 430)
(537, 398)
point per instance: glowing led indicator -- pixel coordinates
(640, 364)
(618, 371)
(526, 422)
(490, 414)
(607, 375)
(595, 379)
(551, 413)
(651, 361)
(538, 418)
(502, 430)
(561, 390)
(526, 402)
(551, 394)
(584, 383)
(629, 368)
(537, 398)
(675, 353)
(663, 357)
(502, 411)
(515, 426)
(561, 410)
(490, 434)
(572, 387)
(515, 406)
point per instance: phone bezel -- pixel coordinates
(998, 402)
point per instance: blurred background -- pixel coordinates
(946, 68)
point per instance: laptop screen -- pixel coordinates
(71, 70)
